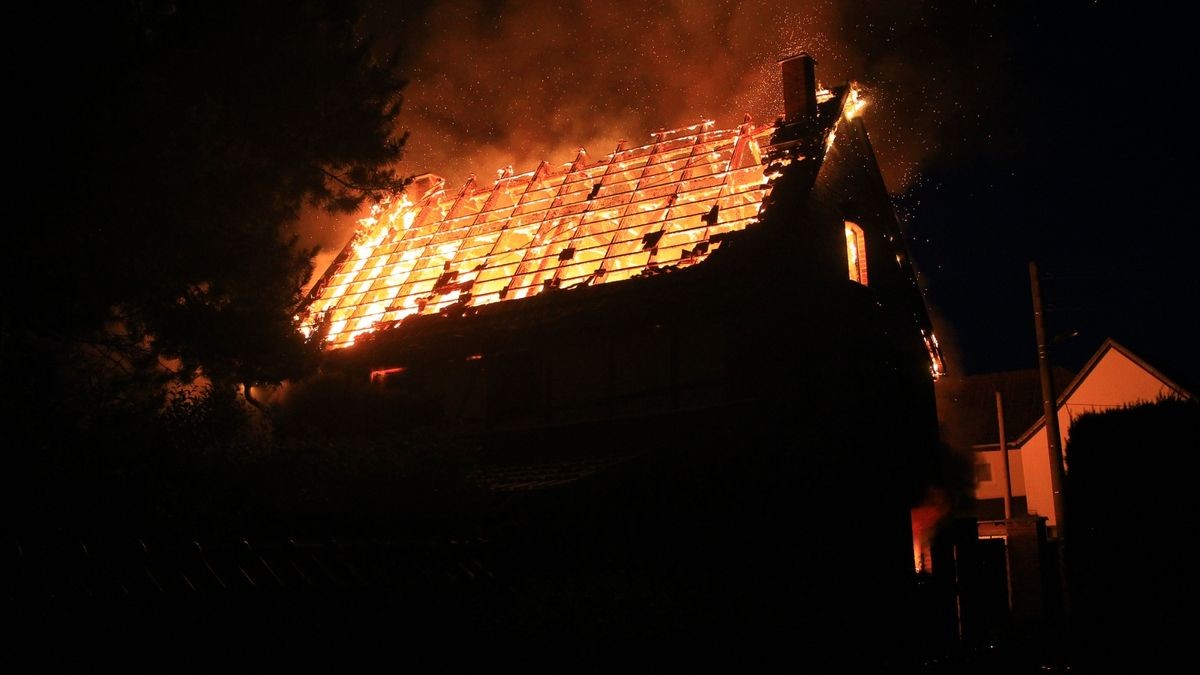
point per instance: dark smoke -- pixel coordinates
(511, 83)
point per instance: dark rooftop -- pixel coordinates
(967, 405)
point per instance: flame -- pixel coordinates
(925, 519)
(853, 107)
(855, 261)
(633, 211)
(855, 103)
(386, 220)
(651, 206)
(852, 252)
(937, 366)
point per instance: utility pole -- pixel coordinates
(1008, 563)
(1004, 456)
(1053, 438)
(1049, 401)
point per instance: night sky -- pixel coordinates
(1008, 132)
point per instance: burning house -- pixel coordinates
(705, 356)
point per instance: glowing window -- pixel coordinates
(856, 253)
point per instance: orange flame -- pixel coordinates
(925, 519)
(855, 103)
(580, 223)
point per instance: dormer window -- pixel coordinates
(856, 253)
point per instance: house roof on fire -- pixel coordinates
(640, 210)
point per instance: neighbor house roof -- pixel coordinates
(1087, 369)
(966, 405)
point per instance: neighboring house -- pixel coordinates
(1112, 378)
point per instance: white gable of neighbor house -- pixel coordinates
(993, 488)
(1114, 381)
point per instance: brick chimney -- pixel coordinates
(799, 88)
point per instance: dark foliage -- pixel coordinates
(168, 145)
(164, 148)
(1129, 492)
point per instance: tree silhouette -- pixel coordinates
(167, 146)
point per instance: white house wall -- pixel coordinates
(994, 488)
